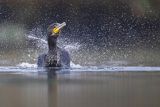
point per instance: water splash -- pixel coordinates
(39, 42)
(42, 43)
(29, 65)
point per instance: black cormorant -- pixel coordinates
(56, 56)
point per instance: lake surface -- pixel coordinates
(80, 89)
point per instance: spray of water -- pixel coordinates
(84, 53)
(41, 44)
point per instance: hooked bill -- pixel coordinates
(57, 29)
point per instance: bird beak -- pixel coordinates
(57, 29)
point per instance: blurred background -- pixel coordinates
(98, 32)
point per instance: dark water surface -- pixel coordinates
(82, 89)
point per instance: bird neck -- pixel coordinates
(52, 44)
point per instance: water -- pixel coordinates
(106, 87)
(97, 77)
(106, 78)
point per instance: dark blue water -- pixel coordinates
(28, 88)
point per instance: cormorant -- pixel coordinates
(56, 56)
